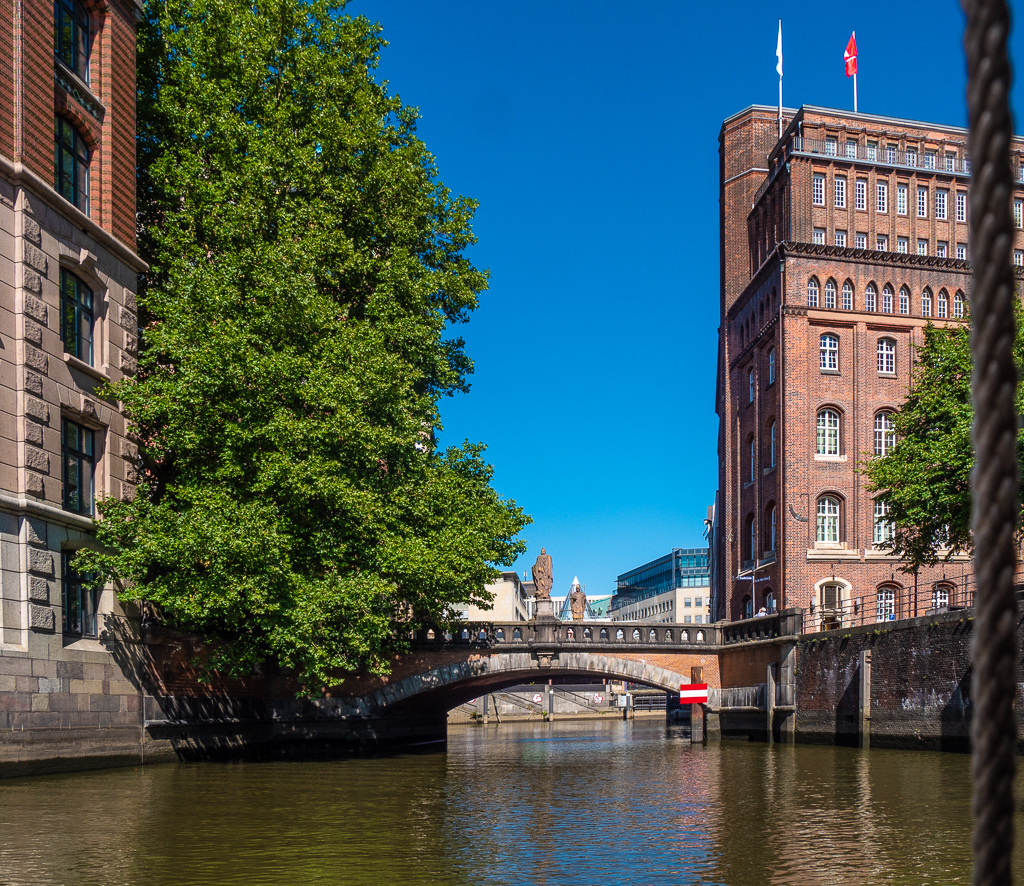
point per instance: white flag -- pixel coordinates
(778, 50)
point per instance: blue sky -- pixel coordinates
(588, 132)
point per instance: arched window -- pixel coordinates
(828, 432)
(770, 528)
(749, 540)
(620, 634)
(886, 603)
(828, 352)
(652, 636)
(831, 606)
(771, 366)
(604, 634)
(887, 356)
(752, 449)
(828, 519)
(904, 300)
(771, 443)
(926, 303)
(748, 606)
(848, 296)
(942, 308)
(812, 292)
(830, 294)
(71, 164)
(750, 385)
(884, 528)
(940, 596)
(636, 634)
(76, 316)
(870, 298)
(769, 601)
(71, 36)
(885, 433)
(958, 304)
(887, 299)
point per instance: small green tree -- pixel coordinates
(925, 480)
(306, 265)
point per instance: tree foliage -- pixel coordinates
(926, 478)
(306, 266)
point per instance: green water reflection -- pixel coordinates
(568, 803)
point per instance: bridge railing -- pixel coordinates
(583, 633)
(763, 627)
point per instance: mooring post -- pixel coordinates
(864, 730)
(769, 702)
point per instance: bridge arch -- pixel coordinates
(446, 687)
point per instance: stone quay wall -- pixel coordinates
(918, 693)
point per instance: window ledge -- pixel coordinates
(76, 363)
(78, 89)
(887, 375)
(831, 371)
(768, 470)
(834, 458)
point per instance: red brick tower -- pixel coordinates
(841, 241)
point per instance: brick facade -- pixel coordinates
(818, 280)
(52, 678)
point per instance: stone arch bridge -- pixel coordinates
(442, 670)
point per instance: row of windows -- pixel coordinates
(887, 599)
(770, 451)
(828, 437)
(902, 244)
(828, 354)
(893, 155)
(751, 383)
(828, 528)
(827, 299)
(923, 201)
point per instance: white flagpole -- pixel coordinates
(778, 67)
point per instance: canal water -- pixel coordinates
(566, 803)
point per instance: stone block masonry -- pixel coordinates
(921, 693)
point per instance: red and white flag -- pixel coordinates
(850, 56)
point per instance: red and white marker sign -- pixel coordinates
(693, 693)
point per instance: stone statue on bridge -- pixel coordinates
(577, 601)
(542, 576)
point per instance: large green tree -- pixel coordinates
(306, 268)
(925, 480)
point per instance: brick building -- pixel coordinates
(68, 278)
(840, 242)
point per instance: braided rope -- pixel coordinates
(994, 381)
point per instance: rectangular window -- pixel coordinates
(922, 203)
(901, 199)
(902, 244)
(78, 463)
(687, 602)
(862, 195)
(830, 146)
(929, 159)
(941, 202)
(941, 248)
(950, 162)
(961, 206)
(862, 240)
(1018, 213)
(70, 164)
(872, 150)
(911, 157)
(881, 197)
(851, 150)
(818, 190)
(840, 188)
(904, 303)
(883, 525)
(1018, 257)
(882, 243)
(76, 317)
(698, 619)
(819, 236)
(78, 600)
(840, 238)
(922, 247)
(891, 154)
(961, 251)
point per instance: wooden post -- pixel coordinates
(864, 732)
